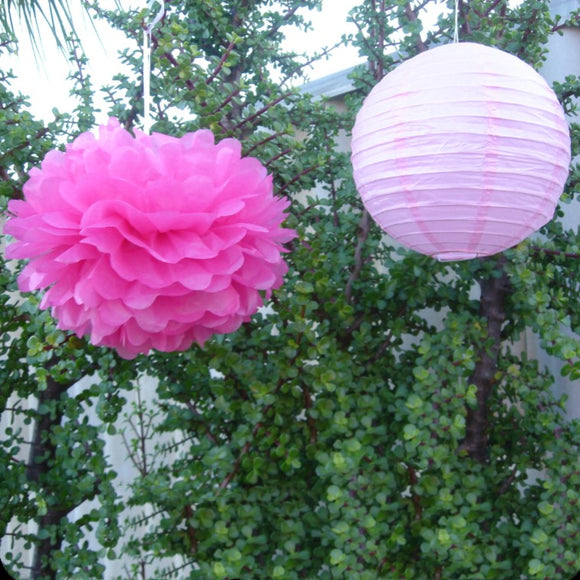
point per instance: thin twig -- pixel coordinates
(299, 176)
(226, 481)
(505, 485)
(412, 16)
(208, 432)
(227, 100)
(263, 110)
(276, 157)
(221, 63)
(310, 420)
(537, 250)
(264, 141)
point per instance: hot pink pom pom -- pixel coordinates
(149, 241)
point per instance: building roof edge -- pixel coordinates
(330, 86)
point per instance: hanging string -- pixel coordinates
(147, 121)
(456, 30)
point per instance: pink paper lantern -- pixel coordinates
(462, 151)
(149, 241)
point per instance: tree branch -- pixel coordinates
(221, 63)
(261, 111)
(299, 176)
(247, 446)
(363, 234)
(412, 16)
(196, 413)
(311, 422)
(538, 250)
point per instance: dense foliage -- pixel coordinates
(379, 419)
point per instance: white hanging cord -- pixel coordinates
(147, 121)
(456, 31)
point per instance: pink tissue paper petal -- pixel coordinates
(149, 241)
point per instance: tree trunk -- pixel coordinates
(42, 456)
(494, 291)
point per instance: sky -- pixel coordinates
(45, 82)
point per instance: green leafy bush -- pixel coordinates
(379, 419)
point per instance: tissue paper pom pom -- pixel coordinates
(149, 241)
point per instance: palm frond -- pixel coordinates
(55, 13)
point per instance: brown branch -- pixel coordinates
(530, 24)
(368, 45)
(315, 58)
(176, 444)
(490, 8)
(41, 133)
(463, 13)
(171, 59)
(221, 63)
(142, 435)
(191, 531)
(356, 324)
(141, 432)
(567, 477)
(272, 32)
(208, 432)
(264, 141)
(575, 21)
(130, 453)
(140, 521)
(363, 234)
(331, 180)
(538, 250)
(263, 110)
(384, 345)
(414, 497)
(412, 16)
(247, 446)
(310, 420)
(505, 485)
(132, 116)
(227, 100)
(276, 157)
(173, 572)
(299, 176)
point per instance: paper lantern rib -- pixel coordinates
(532, 130)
